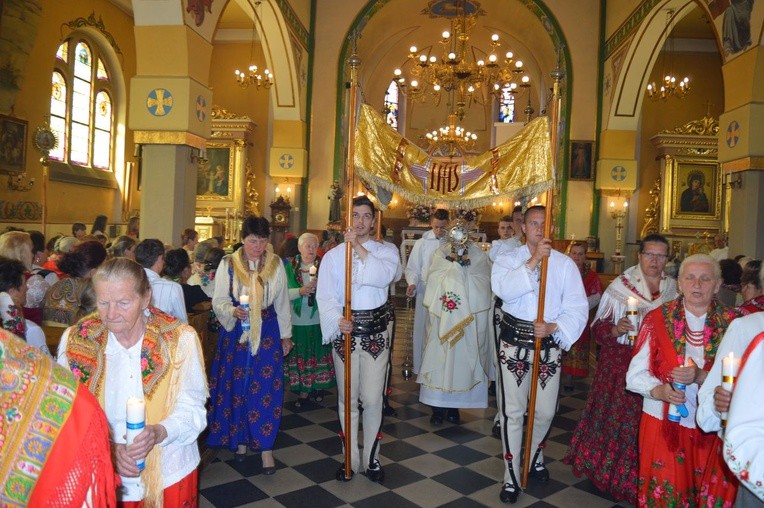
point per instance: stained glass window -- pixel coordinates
(58, 114)
(81, 105)
(63, 52)
(507, 106)
(391, 105)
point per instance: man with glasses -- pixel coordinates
(515, 279)
(605, 439)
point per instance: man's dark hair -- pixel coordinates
(11, 273)
(51, 245)
(38, 241)
(533, 209)
(506, 218)
(517, 209)
(655, 238)
(440, 214)
(258, 226)
(77, 226)
(731, 272)
(175, 261)
(99, 224)
(148, 251)
(751, 274)
(364, 200)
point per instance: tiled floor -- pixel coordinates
(452, 465)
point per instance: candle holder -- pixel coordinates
(619, 209)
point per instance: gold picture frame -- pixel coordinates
(692, 196)
(216, 176)
(13, 145)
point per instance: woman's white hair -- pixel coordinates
(701, 258)
(304, 238)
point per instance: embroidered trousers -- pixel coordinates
(513, 388)
(368, 373)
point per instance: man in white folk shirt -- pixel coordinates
(374, 268)
(515, 279)
(417, 266)
(510, 231)
(166, 295)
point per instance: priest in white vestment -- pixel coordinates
(456, 357)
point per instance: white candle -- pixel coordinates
(633, 316)
(136, 422)
(312, 271)
(730, 367)
(244, 299)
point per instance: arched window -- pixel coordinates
(507, 106)
(81, 106)
(391, 105)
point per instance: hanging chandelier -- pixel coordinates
(452, 134)
(252, 76)
(471, 74)
(670, 86)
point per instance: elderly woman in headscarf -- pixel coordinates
(252, 304)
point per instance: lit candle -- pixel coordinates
(244, 299)
(312, 296)
(730, 367)
(136, 422)
(633, 316)
(312, 271)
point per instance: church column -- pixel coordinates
(741, 151)
(170, 106)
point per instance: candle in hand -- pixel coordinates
(631, 313)
(312, 296)
(730, 367)
(312, 271)
(244, 299)
(136, 422)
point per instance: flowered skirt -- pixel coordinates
(718, 486)
(670, 477)
(604, 444)
(309, 366)
(246, 392)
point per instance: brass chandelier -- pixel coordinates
(252, 76)
(450, 140)
(471, 74)
(670, 86)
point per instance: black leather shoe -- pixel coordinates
(539, 472)
(389, 411)
(496, 430)
(492, 388)
(509, 493)
(340, 474)
(269, 470)
(377, 474)
(452, 415)
(240, 457)
(436, 418)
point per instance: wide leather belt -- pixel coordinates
(519, 333)
(370, 322)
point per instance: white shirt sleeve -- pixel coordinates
(639, 379)
(281, 301)
(380, 267)
(329, 292)
(36, 337)
(413, 272)
(189, 418)
(744, 436)
(221, 300)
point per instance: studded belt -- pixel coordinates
(519, 333)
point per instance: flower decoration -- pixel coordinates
(468, 215)
(420, 213)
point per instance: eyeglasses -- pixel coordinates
(654, 255)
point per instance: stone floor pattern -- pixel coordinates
(451, 465)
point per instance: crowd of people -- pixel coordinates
(665, 423)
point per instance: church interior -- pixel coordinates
(198, 113)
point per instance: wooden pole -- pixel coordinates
(354, 62)
(553, 125)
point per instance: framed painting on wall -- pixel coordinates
(692, 196)
(581, 153)
(13, 144)
(216, 177)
